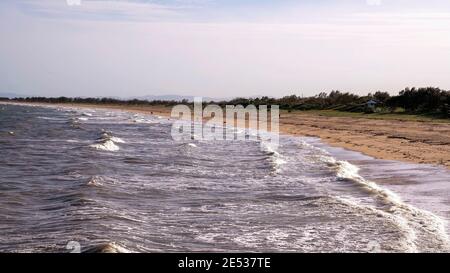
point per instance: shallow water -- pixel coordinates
(98, 176)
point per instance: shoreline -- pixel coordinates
(388, 139)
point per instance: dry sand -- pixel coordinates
(412, 141)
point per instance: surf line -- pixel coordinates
(210, 123)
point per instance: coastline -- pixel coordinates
(409, 201)
(388, 139)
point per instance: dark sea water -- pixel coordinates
(91, 177)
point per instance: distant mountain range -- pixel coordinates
(149, 97)
(176, 98)
(12, 95)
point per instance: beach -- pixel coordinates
(410, 141)
(85, 178)
(424, 142)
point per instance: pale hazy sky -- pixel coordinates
(222, 48)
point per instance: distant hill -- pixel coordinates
(176, 98)
(148, 98)
(12, 95)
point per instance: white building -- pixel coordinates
(371, 104)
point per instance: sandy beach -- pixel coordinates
(424, 142)
(411, 141)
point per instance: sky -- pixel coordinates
(222, 48)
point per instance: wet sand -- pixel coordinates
(391, 139)
(410, 141)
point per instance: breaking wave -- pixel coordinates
(107, 142)
(424, 230)
(276, 158)
(107, 248)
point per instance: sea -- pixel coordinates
(78, 179)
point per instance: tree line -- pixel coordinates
(428, 100)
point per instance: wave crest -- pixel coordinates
(277, 159)
(424, 231)
(107, 142)
(107, 248)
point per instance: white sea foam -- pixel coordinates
(107, 248)
(117, 140)
(95, 181)
(147, 121)
(106, 146)
(277, 159)
(107, 142)
(49, 118)
(424, 231)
